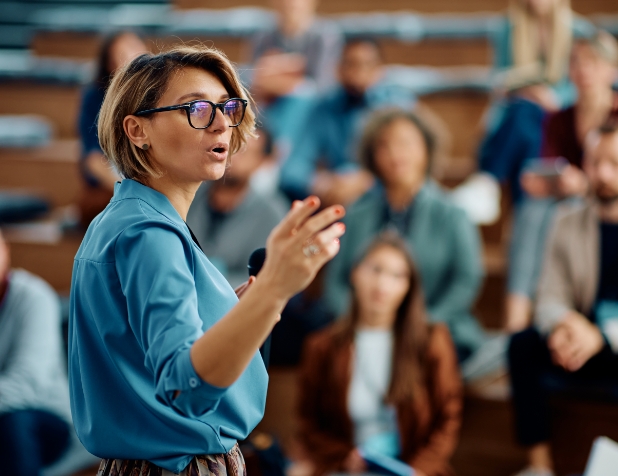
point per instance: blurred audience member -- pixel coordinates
(397, 147)
(34, 395)
(323, 161)
(292, 64)
(532, 48)
(98, 174)
(560, 175)
(229, 218)
(300, 48)
(576, 345)
(382, 381)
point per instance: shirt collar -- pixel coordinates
(129, 188)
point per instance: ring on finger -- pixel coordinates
(311, 250)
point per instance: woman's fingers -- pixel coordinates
(320, 221)
(327, 242)
(298, 215)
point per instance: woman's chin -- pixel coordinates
(213, 172)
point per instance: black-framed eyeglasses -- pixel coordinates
(201, 113)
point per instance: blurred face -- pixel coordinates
(247, 161)
(400, 154)
(601, 166)
(126, 48)
(188, 155)
(295, 12)
(589, 71)
(361, 67)
(381, 282)
(5, 262)
(541, 8)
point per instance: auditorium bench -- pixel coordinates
(50, 171)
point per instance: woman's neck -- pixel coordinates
(375, 321)
(400, 196)
(294, 27)
(180, 194)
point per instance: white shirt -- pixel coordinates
(371, 377)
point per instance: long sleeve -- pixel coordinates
(163, 314)
(326, 449)
(446, 391)
(555, 292)
(457, 295)
(33, 366)
(299, 169)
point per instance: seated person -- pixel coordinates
(323, 160)
(98, 175)
(35, 416)
(593, 72)
(299, 48)
(382, 380)
(291, 65)
(398, 148)
(532, 48)
(230, 219)
(575, 342)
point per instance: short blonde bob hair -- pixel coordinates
(141, 84)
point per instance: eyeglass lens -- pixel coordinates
(201, 113)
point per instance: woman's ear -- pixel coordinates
(134, 128)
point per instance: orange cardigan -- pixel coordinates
(429, 427)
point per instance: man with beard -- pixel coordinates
(574, 346)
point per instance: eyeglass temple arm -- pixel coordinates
(162, 109)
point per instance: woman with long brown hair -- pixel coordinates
(381, 380)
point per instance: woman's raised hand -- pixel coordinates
(300, 245)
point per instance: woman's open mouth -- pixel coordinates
(219, 151)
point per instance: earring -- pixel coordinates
(145, 147)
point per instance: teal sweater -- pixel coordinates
(446, 248)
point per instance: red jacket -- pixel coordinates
(429, 427)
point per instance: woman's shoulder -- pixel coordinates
(441, 204)
(129, 225)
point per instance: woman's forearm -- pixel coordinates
(224, 351)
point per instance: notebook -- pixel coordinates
(603, 459)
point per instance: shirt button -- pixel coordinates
(193, 382)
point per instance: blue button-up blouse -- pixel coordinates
(142, 293)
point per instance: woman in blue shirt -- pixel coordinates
(164, 370)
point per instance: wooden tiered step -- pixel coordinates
(58, 102)
(52, 261)
(50, 171)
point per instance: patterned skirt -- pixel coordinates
(231, 463)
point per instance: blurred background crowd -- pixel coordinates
(469, 324)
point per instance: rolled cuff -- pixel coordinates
(196, 397)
